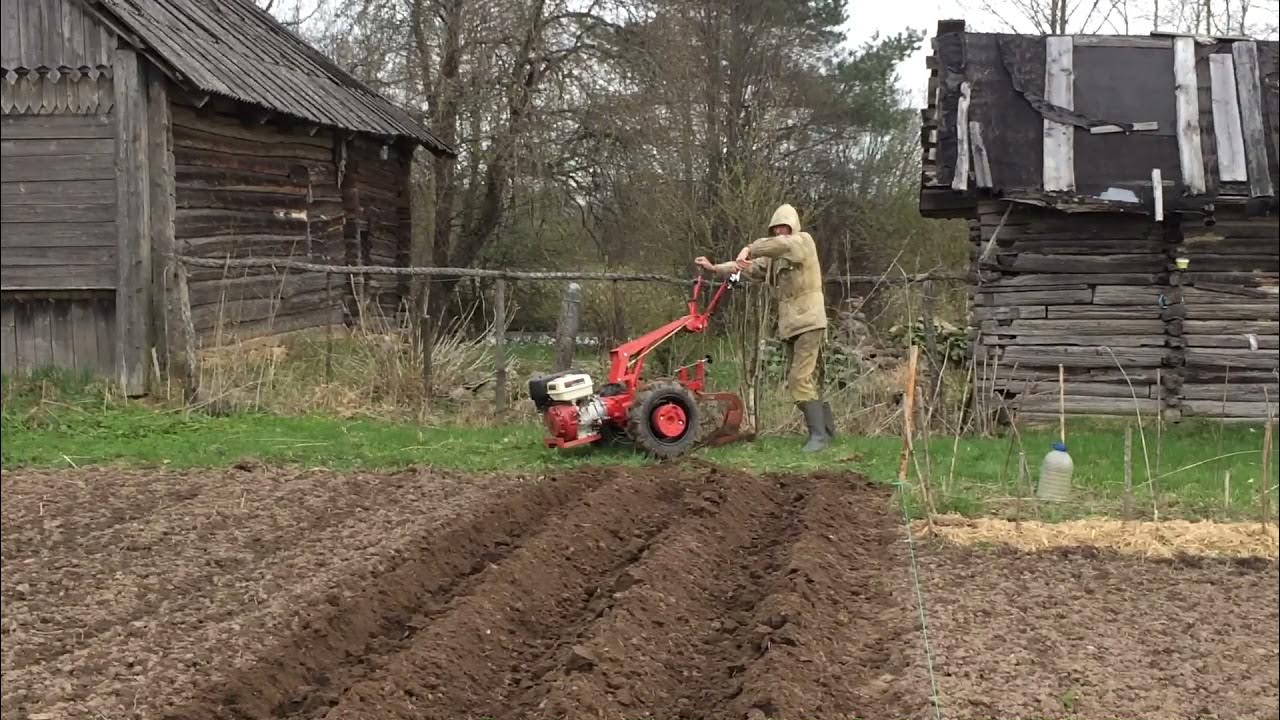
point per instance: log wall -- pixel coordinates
(376, 199)
(1230, 318)
(246, 190)
(1100, 295)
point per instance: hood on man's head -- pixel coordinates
(786, 215)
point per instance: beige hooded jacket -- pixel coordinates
(789, 265)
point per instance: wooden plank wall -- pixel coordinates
(58, 197)
(68, 329)
(52, 35)
(35, 94)
(376, 194)
(1100, 293)
(58, 202)
(244, 190)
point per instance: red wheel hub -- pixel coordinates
(669, 420)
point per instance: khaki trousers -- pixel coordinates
(803, 353)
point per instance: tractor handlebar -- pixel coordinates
(733, 280)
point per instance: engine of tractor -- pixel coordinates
(570, 407)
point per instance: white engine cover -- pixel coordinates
(570, 388)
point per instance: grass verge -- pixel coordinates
(61, 420)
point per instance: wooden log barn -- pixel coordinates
(1090, 170)
(137, 129)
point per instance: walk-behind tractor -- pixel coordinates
(660, 417)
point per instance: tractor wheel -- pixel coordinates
(663, 420)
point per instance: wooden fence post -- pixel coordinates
(180, 335)
(1264, 484)
(1128, 472)
(908, 413)
(567, 327)
(930, 333)
(500, 345)
(427, 339)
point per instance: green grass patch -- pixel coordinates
(60, 420)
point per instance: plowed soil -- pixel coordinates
(682, 591)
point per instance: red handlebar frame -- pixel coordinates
(627, 359)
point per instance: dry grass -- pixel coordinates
(371, 370)
(1164, 539)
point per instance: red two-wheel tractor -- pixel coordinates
(660, 417)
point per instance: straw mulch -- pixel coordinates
(1167, 538)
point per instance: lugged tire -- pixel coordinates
(641, 431)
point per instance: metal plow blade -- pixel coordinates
(730, 426)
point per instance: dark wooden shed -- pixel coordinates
(1088, 166)
(137, 129)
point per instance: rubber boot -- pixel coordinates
(828, 420)
(815, 421)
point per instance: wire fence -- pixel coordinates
(181, 354)
(510, 275)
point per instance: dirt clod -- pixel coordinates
(580, 659)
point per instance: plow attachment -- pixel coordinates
(730, 427)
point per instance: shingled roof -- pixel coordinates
(234, 49)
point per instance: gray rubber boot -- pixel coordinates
(828, 420)
(815, 421)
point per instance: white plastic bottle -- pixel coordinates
(1055, 474)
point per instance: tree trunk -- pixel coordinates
(444, 120)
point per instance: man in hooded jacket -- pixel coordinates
(787, 261)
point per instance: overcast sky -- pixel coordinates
(866, 18)
(888, 17)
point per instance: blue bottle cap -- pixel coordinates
(1059, 447)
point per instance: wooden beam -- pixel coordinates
(251, 116)
(133, 303)
(960, 182)
(1122, 41)
(1157, 193)
(1186, 95)
(173, 331)
(981, 163)
(1249, 90)
(1059, 140)
(196, 100)
(1137, 127)
(1226, 120)
(1196, 37)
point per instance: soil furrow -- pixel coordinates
(838, 631)
(341, 644)
(479, 653)
(678, 631)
